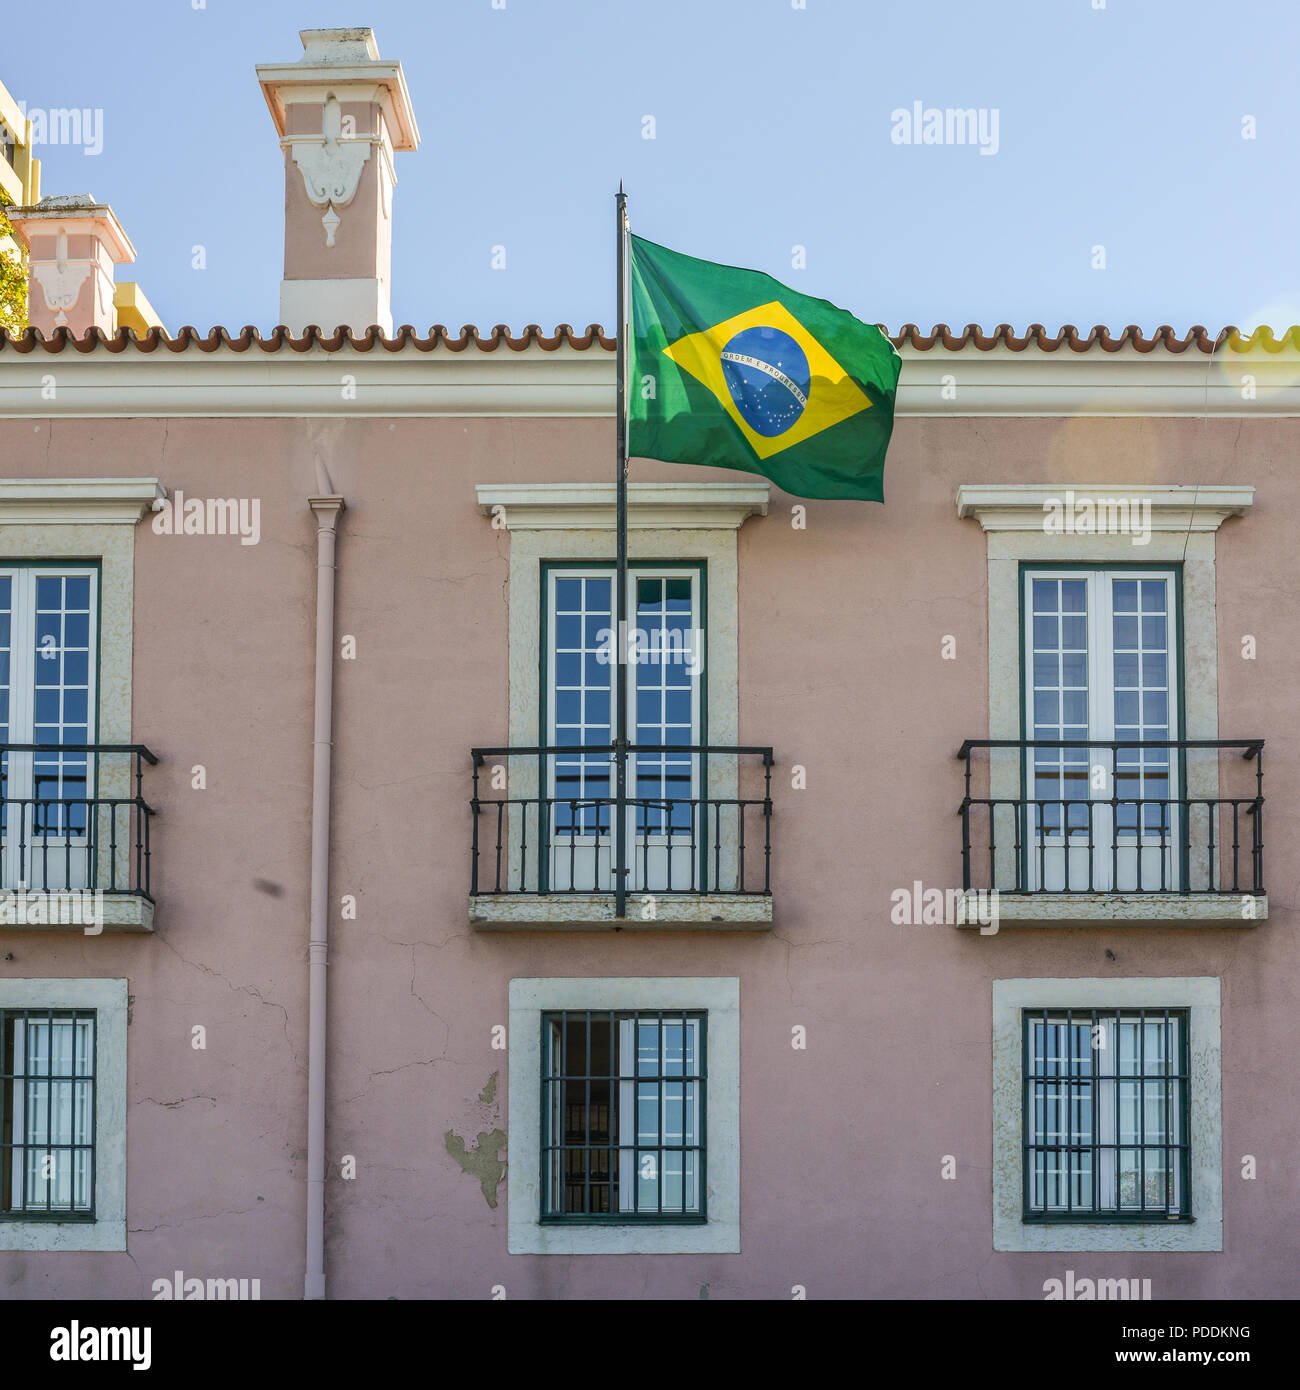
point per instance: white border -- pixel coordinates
(1200, 995)
(76, 501)
(529, 998)
(1177, 507)
(575, 383)
(650, 506)
(108, 1230)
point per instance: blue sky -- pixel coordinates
(1119, 127)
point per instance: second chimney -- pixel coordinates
(73, 245)
(341, 113)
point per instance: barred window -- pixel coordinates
(623, 1105)
(1106, 1120)
(47, 1110)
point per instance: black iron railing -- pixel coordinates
(697, 818)
(1115, 815)
(73, 817)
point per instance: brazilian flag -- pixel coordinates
(731, 368)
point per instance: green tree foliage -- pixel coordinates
(13, 276)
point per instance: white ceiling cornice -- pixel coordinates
(650, 506)
(1173, 507)
(73, 501)
(571, 383)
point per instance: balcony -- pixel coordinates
(74, 838)
(1071, 833)
(690, 841)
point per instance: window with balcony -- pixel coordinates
(1104, 791)
(71, 818)
(74, 823)
(691, 824)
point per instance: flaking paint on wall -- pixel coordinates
(481, 1161)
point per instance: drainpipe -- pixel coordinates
(327, 508)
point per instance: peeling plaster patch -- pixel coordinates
(489, 1092)
(481, 1162)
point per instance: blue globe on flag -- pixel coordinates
(767, 374)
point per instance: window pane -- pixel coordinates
(580, 702)
(1125, 595)
(1074, 596)
(49, 1105)
(621, 1115)
(1103, 1113)
(665, 687)
(61, 705)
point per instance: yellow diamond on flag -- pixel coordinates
(775, 380)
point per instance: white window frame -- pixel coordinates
(108, 998)
(529, 1000)
(630, 1137)
(1201, 997)
(18, 1064)
(1101, 719)
(657, 846)
(21, 724)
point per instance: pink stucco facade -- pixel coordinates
(842, 623)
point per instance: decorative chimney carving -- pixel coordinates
(331, 167)
(60, 282)
(341, 113)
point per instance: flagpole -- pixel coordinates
(620, 582)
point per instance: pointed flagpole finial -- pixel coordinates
(620, 185)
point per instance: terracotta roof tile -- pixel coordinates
(910, 335)
(280, 338)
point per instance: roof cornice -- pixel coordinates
(940, 338)
(570, 375)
